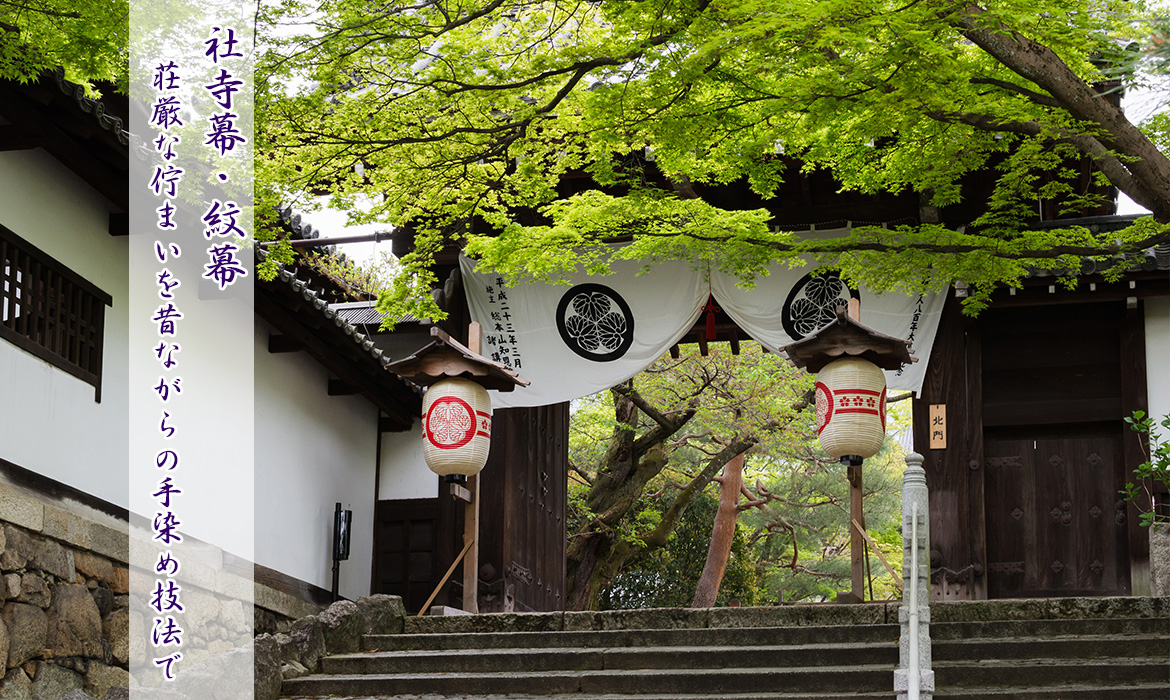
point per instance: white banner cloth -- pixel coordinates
(575, 340)
(578, 339)
(790, 303)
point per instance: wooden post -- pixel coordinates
(857, 558)
(471, 510)
(856, 536)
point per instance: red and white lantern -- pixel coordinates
(456, 427)
(851, 407)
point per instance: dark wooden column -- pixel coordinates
(954, 474)
(1134, 398)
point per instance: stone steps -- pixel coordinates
(714, 637)
(1070, 649)
(487, 660)
(667, 654)
(712, 683)
(1066, 649)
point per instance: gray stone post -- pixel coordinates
(914, 497)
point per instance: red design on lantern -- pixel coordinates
(824, 406)
(882, 410)
(485, 424)
(858, 401)
(451, 423)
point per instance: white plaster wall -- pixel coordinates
(1158, 357)
(312, 450)
(49, 421)
(404, 470)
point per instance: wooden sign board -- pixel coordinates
(938, 426)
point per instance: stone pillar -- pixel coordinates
(914, 493)
(1160, 559)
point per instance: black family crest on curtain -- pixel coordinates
(813, 302)
(595, 322)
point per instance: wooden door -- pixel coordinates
(1055, 522)
(406, 561)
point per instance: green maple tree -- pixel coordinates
(461, 118)
(89, 39)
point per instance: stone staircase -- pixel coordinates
(1052, 648)
(829, 652)
(1070, 649)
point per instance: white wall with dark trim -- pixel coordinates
(312, 450)
(404, 472)
(49, 420)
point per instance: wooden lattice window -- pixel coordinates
(50, 311)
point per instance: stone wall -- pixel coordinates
(64, 603)
(68, 621)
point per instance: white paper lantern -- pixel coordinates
(456, 427)
(851, 407)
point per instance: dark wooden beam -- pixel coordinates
(381, 388)
(283, 343)
(14, 138)
(75, 155)
(338, 387)
(391, 425)
(119, 224)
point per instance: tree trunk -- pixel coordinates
(722, 535)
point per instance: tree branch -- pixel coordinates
(1019, 90)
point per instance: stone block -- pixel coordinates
(116, 630)
(100, 678)
(75, 627)
(34, 590)
(4, 640)
(27, 632)
(16, 685)
(52, 682)
(650, 618)
(342, 626)
(381, 614)
(11, 583)
(267, 668)
(51, 557)
(92, 566)
(103, 598)
(111, 543)
(137, 636)
(233, 617)
(200, 608)
(292, 669)
(282, 603)
(230, 585)
(21, 509)
(120, 582)
(67, 527)
(286, 649)
(309, 636)
(117, 692)
(18, 549)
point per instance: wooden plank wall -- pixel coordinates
(522, 515)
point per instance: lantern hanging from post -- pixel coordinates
(456, 427)
(851, 407)
(848, 359)
(457, 411)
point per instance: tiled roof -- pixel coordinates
(108, 122)
(363, 313)
(316, 298)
